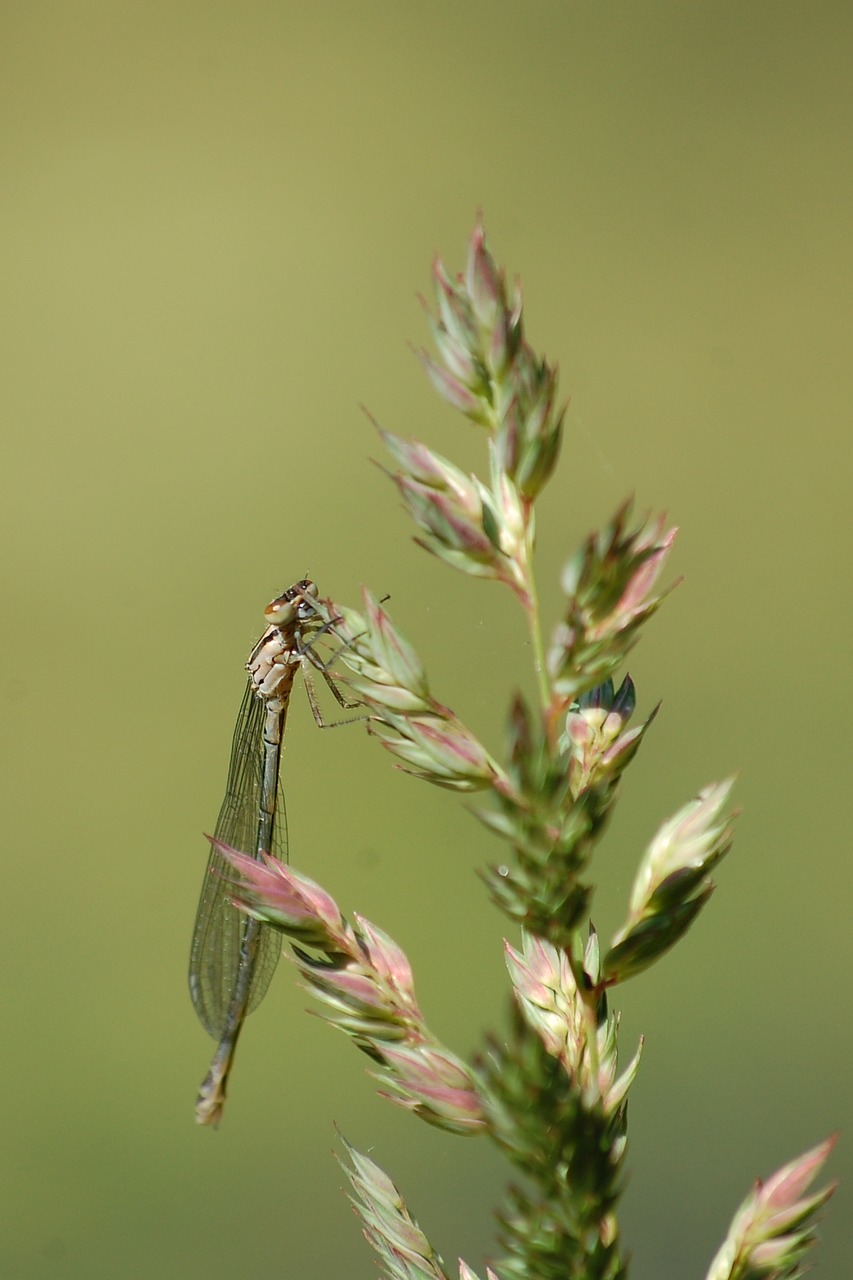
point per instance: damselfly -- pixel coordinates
(233, 957)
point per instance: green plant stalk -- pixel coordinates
(534, 626)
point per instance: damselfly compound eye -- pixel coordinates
(281, 611)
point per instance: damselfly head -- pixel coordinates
(297, 603)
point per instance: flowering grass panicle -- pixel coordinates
(548, 1089)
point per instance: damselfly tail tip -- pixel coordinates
(211, 1101)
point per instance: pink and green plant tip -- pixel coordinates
(774, 1229)
(672, 883)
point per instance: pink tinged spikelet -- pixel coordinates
(621, 749)
(454, 308)
(387, 959)
(393, 654)
(692, 839)
(649, 572)
(437, 749)
(430, 469)
(368, 987)
(483, 281)
(507, 443)
(403, 1249)
(608, 584)
(433, 1072)
(348, 988)
(433, 1083)
(465, 533)
(778, 1194)
(499, 351)
(379, 693)
(653, 550)
(457, 750)
(367, 1028)
(441, 516)
(514, 519)
(457, 358)
(540, 975)
(594, 737)
(547, 991)
(388, 672)
(279, 893)
(672, 884)
(774, 1227)
(457, 395)
(618, 569)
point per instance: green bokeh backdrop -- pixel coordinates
(216, 217)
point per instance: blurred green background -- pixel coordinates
(215, 221)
